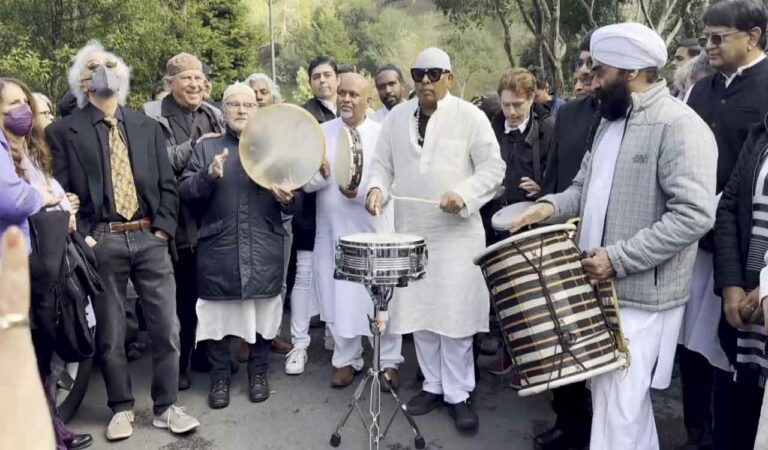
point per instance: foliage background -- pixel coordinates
(38, 37)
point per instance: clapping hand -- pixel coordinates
(216, 169)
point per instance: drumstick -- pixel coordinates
(415, 199)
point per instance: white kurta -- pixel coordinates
(460, 154)
(380, 115)
(241, 318)
(344, 304)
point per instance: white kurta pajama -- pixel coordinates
(621, 401)
(345, 306)
(450, 304)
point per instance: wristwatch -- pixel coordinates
(8, 321)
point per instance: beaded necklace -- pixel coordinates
(419, 137)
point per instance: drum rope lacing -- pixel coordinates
(565, 337)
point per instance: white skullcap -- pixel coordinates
(238, 88)
(433, 58)
(630, 46)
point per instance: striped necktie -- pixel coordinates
(123, 187)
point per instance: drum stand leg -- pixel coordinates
(381, 296)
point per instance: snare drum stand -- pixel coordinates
(381, 295)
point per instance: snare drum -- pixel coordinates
(559, 328)
(380, 259)
(348, 164)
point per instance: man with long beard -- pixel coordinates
(645, 196)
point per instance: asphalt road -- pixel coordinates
(303, 410)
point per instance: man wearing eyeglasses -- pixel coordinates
(729, 101)
(186, 119)
(442, 151)
(241, 254)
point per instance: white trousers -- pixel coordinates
(349, 351)
(447, 363)
(621, 400)
(303, 304)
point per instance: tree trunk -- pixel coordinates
(507, 39)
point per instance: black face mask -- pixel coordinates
(615, 100)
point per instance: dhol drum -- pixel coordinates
(559, 328)
(348, 164)
(381, 259)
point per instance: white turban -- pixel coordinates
(433, 58)
(630, 46)
(238, 88)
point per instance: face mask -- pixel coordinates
(615, 101)
(19, 120)
(104, 82)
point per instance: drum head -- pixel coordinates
(343, 164)
(503, 217)
(381, 238)
(282, 144)
(525, 235)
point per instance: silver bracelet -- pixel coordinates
(8, 321)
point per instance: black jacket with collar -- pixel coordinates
(520, 159)
(730, 112)
(574, 133)
(78, 166)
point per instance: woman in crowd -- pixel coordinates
(45, 114)
(30, 161)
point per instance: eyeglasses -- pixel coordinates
(433, 74)
(238, 105)
(715, 38)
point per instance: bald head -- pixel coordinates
(354, 93)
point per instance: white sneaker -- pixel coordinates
(176, 420)
(295, 361)
(120, 426)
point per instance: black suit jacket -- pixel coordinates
(574, 132)
(78, 166)
(317, 109)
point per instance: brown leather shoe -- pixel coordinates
(394, 379)
(280, 345)
(343, 377)
(242, 352)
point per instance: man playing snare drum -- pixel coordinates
(439, 150)
(645, 194)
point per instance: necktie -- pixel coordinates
(126, 200)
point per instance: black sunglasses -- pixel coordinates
(433, 74)
(715, 38)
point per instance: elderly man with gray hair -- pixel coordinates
(115, 160)
(185, 119)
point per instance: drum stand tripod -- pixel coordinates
(381, 295)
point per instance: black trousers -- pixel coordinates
(572, 404)
(220, 356)
(697, 377)
(144, 258)
(737, 412)
(185, 273)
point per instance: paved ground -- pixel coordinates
(303, 411)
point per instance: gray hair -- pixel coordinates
(692, 71)
(41, 98)
(273, 87)
(78, 65)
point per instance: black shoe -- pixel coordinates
(80, 441)
(184, 381)
(258, 387)
(423, 403)
(463, 416)
(557, 439)
(218, 397)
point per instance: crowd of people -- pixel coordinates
(670, 185)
